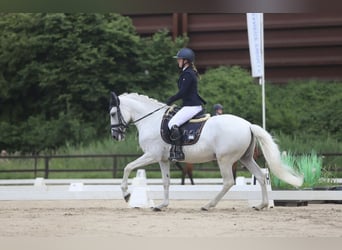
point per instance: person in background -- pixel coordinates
(3, 154)
(218, 109)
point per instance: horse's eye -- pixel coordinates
(113, 111)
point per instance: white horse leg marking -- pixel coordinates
(143, 160)
(226, 170)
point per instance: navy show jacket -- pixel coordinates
(187, 89)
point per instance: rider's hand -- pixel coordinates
(169, 101)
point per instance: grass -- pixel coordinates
(295, 144)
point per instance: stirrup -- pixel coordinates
(175, 159)
(176, 155)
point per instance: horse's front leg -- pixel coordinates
(165, 170)
(143, 160)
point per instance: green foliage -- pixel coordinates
(311, 166)
(106, 146)
(159, 75)
(308, 110)
(56, 72)
(235, 89)
(62, 63)
(288, 160)
(305, 143)
(312, 107)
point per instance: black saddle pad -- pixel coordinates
(190, 131)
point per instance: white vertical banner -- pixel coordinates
(255, 29)
(255, 41)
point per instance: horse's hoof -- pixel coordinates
(204, 209)
(156, 209)
(126, 197)
(258, 208)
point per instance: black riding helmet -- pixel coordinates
(185, 53)
(217, 106)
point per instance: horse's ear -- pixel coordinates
(114, 100)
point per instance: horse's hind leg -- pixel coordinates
(183, 176)
(190, 168)
(252, 166)
(183, 170)
(228, 181)
(188, 171)
(235, 165)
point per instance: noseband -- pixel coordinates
(122, 125)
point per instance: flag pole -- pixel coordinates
(262, 78)
(255, 29)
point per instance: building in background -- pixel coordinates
(297, 46)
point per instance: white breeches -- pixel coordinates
(184, 115)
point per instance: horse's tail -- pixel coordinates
(272, 155)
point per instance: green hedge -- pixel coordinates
(306, 109)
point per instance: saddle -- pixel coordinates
(190, 130)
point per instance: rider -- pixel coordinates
(192, 102)
(218, 109)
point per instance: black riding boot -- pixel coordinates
(176, 153)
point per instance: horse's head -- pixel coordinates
(117, 121)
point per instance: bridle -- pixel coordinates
(123, 125)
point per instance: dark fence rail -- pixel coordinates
(42, 164)
(47, 169)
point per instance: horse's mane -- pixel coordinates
(144, 98)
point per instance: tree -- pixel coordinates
(63, 66)
(235, 89)
(160, 69)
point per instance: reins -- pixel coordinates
(148, 114)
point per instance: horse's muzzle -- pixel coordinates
(117, 134)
